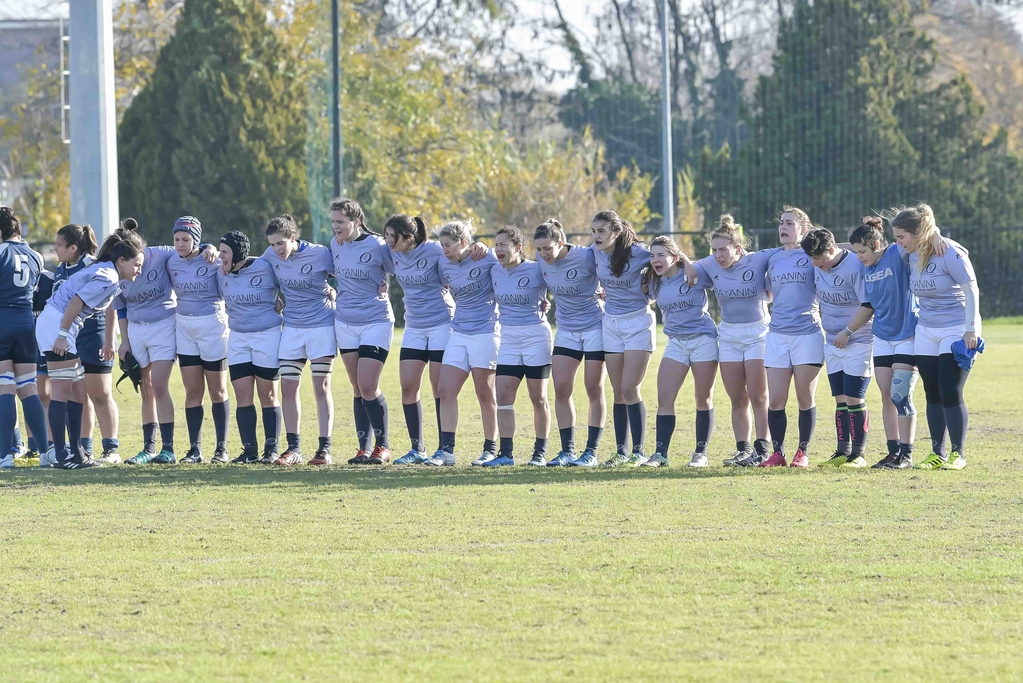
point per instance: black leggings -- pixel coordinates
(944, 382)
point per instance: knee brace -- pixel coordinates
(292, 369)
(25, 380)
(322, 368)
(903, 383)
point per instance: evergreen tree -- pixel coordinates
(219, 130)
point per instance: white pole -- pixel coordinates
(93, 115)
(667, 168)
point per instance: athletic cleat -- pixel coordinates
(165, 457)
(884, 463)
(20, 453)
(697, 460)
(636, 459)
(246, 458)
(616, 460)
(777, 459)
(500, 461)
(78, 463)
(110, 457)
(289, 458)
(321, 458)
(562, 459)
(379, 456)
(441, 458)
(902, 462)
(193, 457)
(587, 459)
(413, 457)
(7, 462)
(857, 462)
(734, 458)
(361, 458)
(483, 459)
(955, 462)
(800, 460)
(220, 456)
(931, 462)
(269, 457)
(537, 460)
(753, 459)
(143, 458)
(656, 460)
(836, 460)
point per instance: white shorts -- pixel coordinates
(934, 341)
(634, 331)
(48, 329)
(468, 351)
(259, 348)
(203, 335)
(738, 342)
(351, 337)
(427, 338)
(789, 350)
(153, 341)
(855, 360)
(903, 347)
(526, 345)
(696, 348)
(588, 342)
(307, 343)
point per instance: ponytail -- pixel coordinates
(10, 224)
(919, 222)
(869, 233)
(124, 243)
(81, 237)
(550, 230)
(404, 225)
(351, 208)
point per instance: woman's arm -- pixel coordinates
(859, 320)
(63, 342)
(107, 352)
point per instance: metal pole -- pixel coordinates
(335, 60)
(667, 168)
(93, 124)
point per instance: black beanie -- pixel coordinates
(239, 243)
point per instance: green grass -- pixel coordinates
(232, 574)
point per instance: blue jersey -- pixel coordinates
(19, 273)
(302, 280)
(938, 287)
(790, 278)
(473, 290)
(520, 292)
(250, 296)
(427, 300)
(96, 286)
(360, 267)
(90, 339)
(887, 286)
(684, 308)
(195, 285)
(840, 292)
(572, 279)
(150, 297)
(624, 293)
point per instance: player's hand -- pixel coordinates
(692, 275)
(478, 251)
(601, 294)
(971, 340)
(210, 254)
(382, 289)
(107, 352)
(545, 307)
(938, 245)
(61, 346)
(841, 339)
(123, 349)
(279, 306)
(332, 293)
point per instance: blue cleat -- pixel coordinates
(440, 459)
(501, 461)
(563, 459)
(587, 459)
(413, 457)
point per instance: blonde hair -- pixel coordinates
(919, 222)
(462, 231)
(729, 230)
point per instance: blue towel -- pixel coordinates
(964, 356)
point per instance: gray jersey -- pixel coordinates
(251, 297)
(150, 297)
(302, 280)
(96, 286)
(790, 277)
(684, 308)
(938, 288)
(427, 300)
(573, 281)
(741, 290)
(473, 290)
(195, 285)
(624, 294)
(360, 267)
(520, 292)
(840, 292)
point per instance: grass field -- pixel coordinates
(247, 573)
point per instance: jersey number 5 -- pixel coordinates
(21, 273)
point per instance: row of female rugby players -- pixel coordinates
(886, 307)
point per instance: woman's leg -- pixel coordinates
(410, 376)
(61, 393)
(889, 413)
(451, 380)
(564, 370)
(216, 383)
(268, 392)
(670, 376)
(633, 372)
(704, 374)
(100, 389)
(805, 377)
(375, 403)
(194, 380)
(483, 380)
(615, 370)
(733, 376)
(593, 380)
(778, 383)
(362, 426)
(245, 416)
(952, 383)
(321, 369)
(903, 383)
(88, 425)
(160, 372)
(507, 386)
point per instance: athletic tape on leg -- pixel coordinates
(511, 407)
(6, 379)
(903, 383)
(321, 368)
(25, 380)
(292, 369)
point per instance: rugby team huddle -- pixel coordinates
(862, 307)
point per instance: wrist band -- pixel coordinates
(64, 334)
(847, 330)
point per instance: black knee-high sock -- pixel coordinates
(507, 449)
(362, 426)
(74, 427)
(221, 420)
(167, 436)
(704, 428)
(778, 423)
(193, 420)
(621, 420)
(447, 442)
(35, 418)
(593, 435)
(57, 413)
(539, 446)
(936, 427)
(893, 446)
(246, 417)
(567, 439)
(952, 382)
(637, 425)
(376, 409)
(928, 366)
(8, 423)
(859, 419)
(807, 424)
(414, 423)
(843, 429)
(272, 419)
(149, 437)
(436, 407)
(761, 446)
(664, 427)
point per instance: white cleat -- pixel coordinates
(697, 460)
